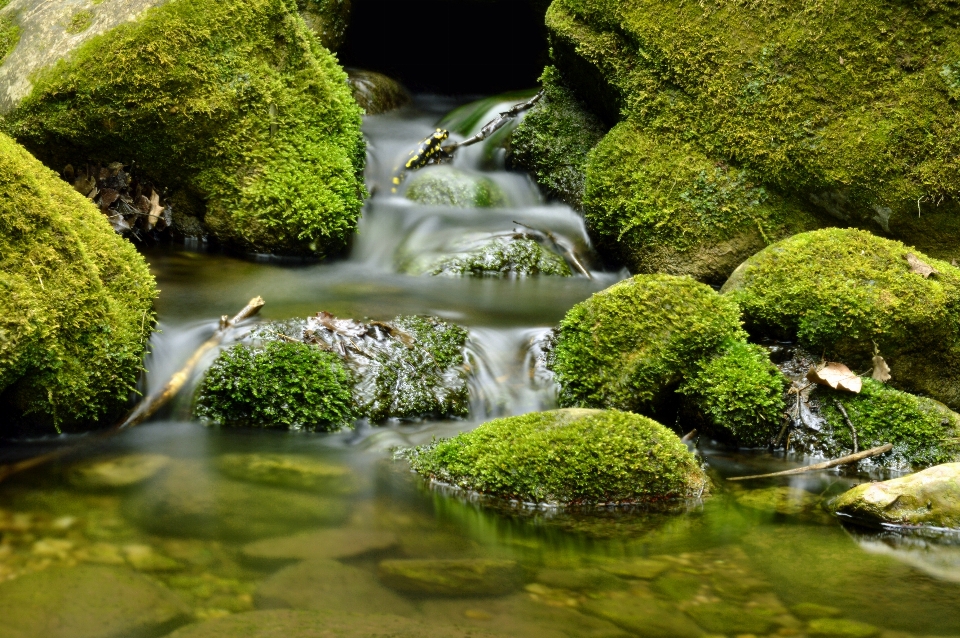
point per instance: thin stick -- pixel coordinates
(843, 460)
(149, 405)
(495, 124)
(846, 417)
(569, 254)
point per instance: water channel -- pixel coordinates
(759, 559)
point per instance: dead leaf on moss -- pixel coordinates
(155, 210)
(919, 267)
(836, 376)
(881, 371)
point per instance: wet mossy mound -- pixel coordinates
(235, 103)
(845, 109)
(504, 257)
(846, 293)
(77, 303)
(446, 186)
(553, 140)
(571, 456)
(323, 373)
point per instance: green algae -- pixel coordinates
(846, 294)
(235, 102)
(77, 302)
(282, 385)
(504, 257)
(571, 456)
(80, 22)
(628, 346)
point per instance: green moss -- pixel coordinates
(76, 302)
(504, 257)
(282, 385)
(566, 456)
(80, 22)
(923, 432)
(627, 346)
(844, 293)
(850, 105)
(235, 101)
(739, 391)
(9, 36)
(445, 186)
(554, 138)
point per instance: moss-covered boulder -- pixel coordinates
(235, 103)
(553, 140)
(328, 19)
(503, 257)
(447, 186)
(77, 303)
(928, 498)
(375, 92)
(846, 293)
(571, 456)
(847, 109)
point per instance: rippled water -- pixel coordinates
(758, 559)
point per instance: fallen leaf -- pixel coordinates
(836, 376)
(881, 371)
(107, 197)
(84, 184)
(155, 210)
(919, 267)
(348, 327)
(953, 263)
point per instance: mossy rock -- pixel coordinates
(77, 308)
(643, 616)
(607, 457)
(280, 385)
(627, 347)
(846, 293)
(929, 498)
(292, 471)
(553, 140)
(446, 186)
(841, 628)
(848, 110)
(451, 577)
(116, 472)
(503, 257)
(328, 19)
(731, 619)
(235, 102)
(375, 92)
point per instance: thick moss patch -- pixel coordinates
(567, 456)
(846, 293)
(9, 35)
(446, 186)
(235, 102)
(628, 346)
(76, 302)
(504, 257)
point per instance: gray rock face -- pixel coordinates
(87, 602)
(50, 31)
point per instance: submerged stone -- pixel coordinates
(116, 472)
(643, 616)
(637, 568)
(337, 543)
(76, 306)
(287, 470)
(244, 111)
(326, 585)
(571, 456)
(727, 618)
(788, 501)
(447, 186)
(841, 628)
(927, 498)
(812, 611)
(584, 578)
(503, 257)
(375, 92)
(87, 602)
(451, 577)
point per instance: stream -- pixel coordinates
(758, 559)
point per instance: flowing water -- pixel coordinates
(237, 520)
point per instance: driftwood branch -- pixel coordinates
(149, 405)
(495, 124)
(843, 460)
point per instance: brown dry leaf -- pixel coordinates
(155, 210)
(348, 327)
(919, 267)
(84, 184)
(836, 376)
(107, 197)
(881, 371)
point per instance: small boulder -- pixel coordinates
(571, 456)
(116, 472)
(337, 543)
(448, 186)
(291, 471)
(643, 615)
(451, 577)
(927, 498)
(503, 257)
(87, 602)
(377, 93)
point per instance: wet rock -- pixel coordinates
(116, 472)
(447, 186)
(579, 579)
(847, 295)
(609, 457)
(812, 611)
(841, 628)
(326, 585)
(502, 257)
(928, 498)
(637, 568)
(312, 624)
(643, 616)
(788, 501)
(375, 92)
(188, 501)
(287, 470)
(87, 601)
(328, 19)
(451, 577)
(240, 129)
(81, 299)
(342, 542)
(726, 618)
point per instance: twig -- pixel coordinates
(567, 253)
(495, 124)
(843, 460)
(846, 417)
